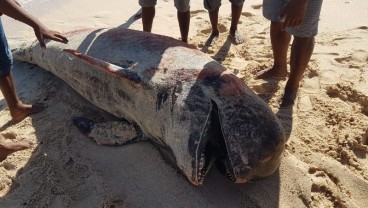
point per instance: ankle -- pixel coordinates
(19, 110)
(233, 30)
(280, 67)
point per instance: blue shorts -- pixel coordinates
(309, 26)
(6, 58)
(211, 5)
(181, 5)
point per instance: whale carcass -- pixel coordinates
(175, 96)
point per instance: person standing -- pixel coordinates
(18, 110)
(297, 18)
(213, 7)
(183, 15)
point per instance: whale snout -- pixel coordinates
(267, 166)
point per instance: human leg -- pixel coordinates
(236, 9)
(214, 23)
(213, 8)
(301, 52)
(148, 13)
(280, 43)
(184, 22)
(183, 15)
(18, 110)
(279, 40)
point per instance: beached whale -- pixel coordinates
(199, 113)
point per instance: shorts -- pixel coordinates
(6, 58)
(309, 26)
(211, 5)
(180, 5)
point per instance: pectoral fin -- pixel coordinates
(108, 133)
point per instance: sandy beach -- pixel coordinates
(325, 163)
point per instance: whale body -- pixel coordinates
(171, 94)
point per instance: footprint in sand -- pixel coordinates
(360, 56)
(258, 37)
(266, 88)
(348, 92)
(305, 103)
(75, 170)
(221, 27)
(257, 6)
(195, 12)
(236, 62)
(247, 14)
(329, 77)
(362, 86)
(9, 166)
(9, 135)
(353, 75)
(311, 85)
(326, 189)
(357, 59)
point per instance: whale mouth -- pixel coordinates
(215, 151)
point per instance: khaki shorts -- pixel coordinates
(309, 26)
(211, 5)
(180, 5)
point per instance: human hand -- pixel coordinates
(43, 33)
(294, 13)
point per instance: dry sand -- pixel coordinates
(325, 162)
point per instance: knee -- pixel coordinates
(182, 6)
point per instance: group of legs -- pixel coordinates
(183, 15)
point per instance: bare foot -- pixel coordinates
(6, 148)
(212, 39)
(289, 97)
(24, 110)
(273, 72)
(236, 37)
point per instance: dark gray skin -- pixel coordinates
(172, 95)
